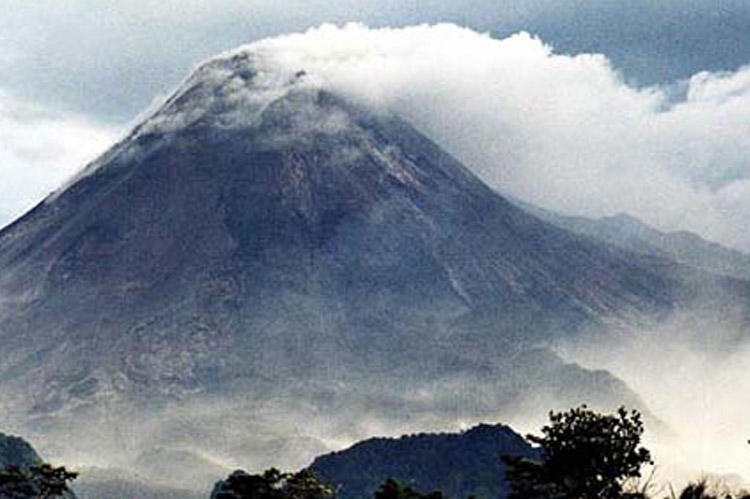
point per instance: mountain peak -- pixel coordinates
(229, 91)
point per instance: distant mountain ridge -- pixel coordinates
(457, 464)
(632, 234)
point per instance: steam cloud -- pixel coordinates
(564, 132)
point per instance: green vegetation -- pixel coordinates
(587, 455)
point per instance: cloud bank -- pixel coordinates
(564, 132)
(39, 149)
(561, 131)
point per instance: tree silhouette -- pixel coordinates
(585, 455)
(52, 481)
(43, 481)
(391, 489)
(272, 484)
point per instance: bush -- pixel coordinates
(701, 490)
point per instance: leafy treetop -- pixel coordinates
(586, 455)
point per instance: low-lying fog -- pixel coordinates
(192, 444)
(692, 373)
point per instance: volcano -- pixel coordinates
(259, 229)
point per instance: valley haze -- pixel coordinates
(354, 231)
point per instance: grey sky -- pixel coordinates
(108, 59)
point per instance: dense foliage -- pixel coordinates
(585, 455)
(272, 484)
(39, 482)
(392, 489)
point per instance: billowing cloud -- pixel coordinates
(137, 48)
(40, 149)
(564, 132)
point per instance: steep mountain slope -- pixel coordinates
(459, 464)
(236, 233)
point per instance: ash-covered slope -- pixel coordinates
(257, 228)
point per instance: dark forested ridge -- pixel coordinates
(459, 465)
(580, 454)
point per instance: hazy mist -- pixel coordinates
(692, 374)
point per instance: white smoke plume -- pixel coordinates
(562, 131)
(565, 132)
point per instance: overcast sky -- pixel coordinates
(74, 73)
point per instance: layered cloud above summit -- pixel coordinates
(565, 132)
